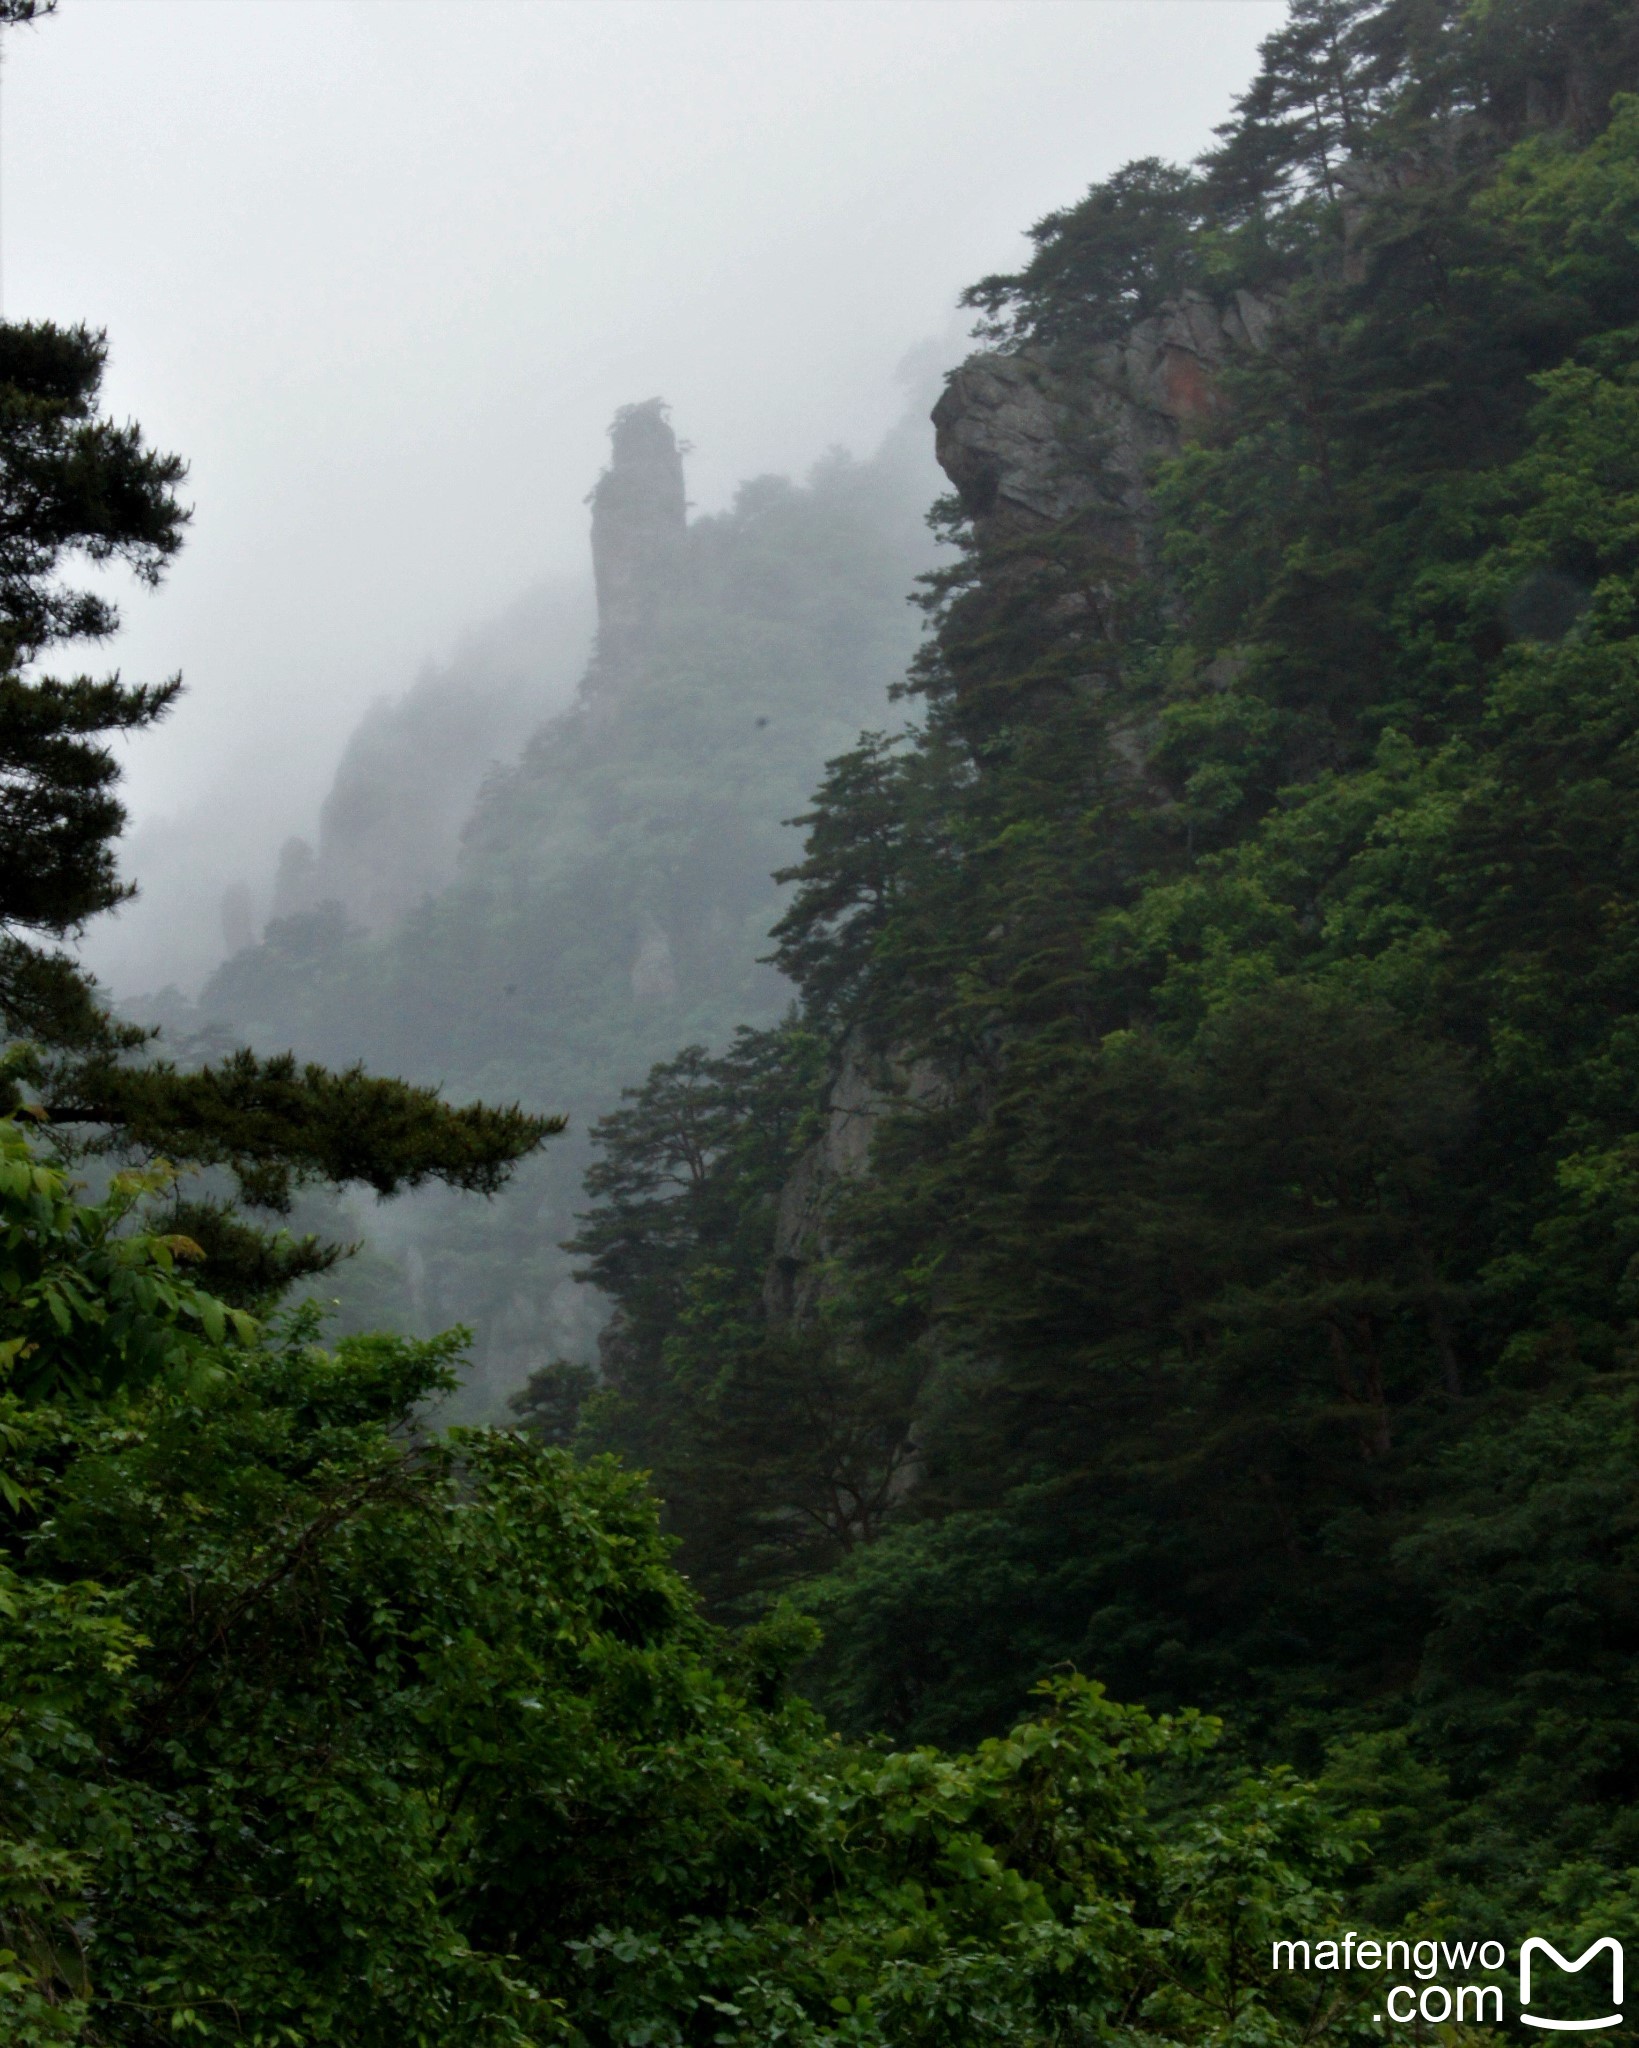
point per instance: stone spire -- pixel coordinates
(639, 518)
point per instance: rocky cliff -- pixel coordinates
(639, 538)
(1031, 447)
(1028, 444)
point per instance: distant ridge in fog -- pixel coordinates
(610, 893)
(390, 828)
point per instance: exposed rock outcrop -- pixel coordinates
(857, 1100)
(639, 532)
(1028, 443)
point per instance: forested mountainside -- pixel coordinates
(1182, 1245)
(1188, 1232)
(611, 894)
(390, 827)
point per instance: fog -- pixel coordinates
(383, 272)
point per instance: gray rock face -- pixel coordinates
(639, 524)
(855, 1105)
(1029, 444)
(864, 1090)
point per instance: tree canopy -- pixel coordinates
(321, 1731)
(1180, 1248)
(1210, 1196)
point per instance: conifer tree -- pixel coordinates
(74, 485)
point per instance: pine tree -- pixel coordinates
(76, 486)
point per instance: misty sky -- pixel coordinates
(382, 271)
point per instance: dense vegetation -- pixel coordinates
(1183, 1241)
(318, 1732)
(1235, 974)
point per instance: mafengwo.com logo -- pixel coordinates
(1422, 1979)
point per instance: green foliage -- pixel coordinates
(550, 1401)
(318, 1731)
(276, 1125)
(91, 1304)
(773, 1446)
(1232, 983)
(1130, 246)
